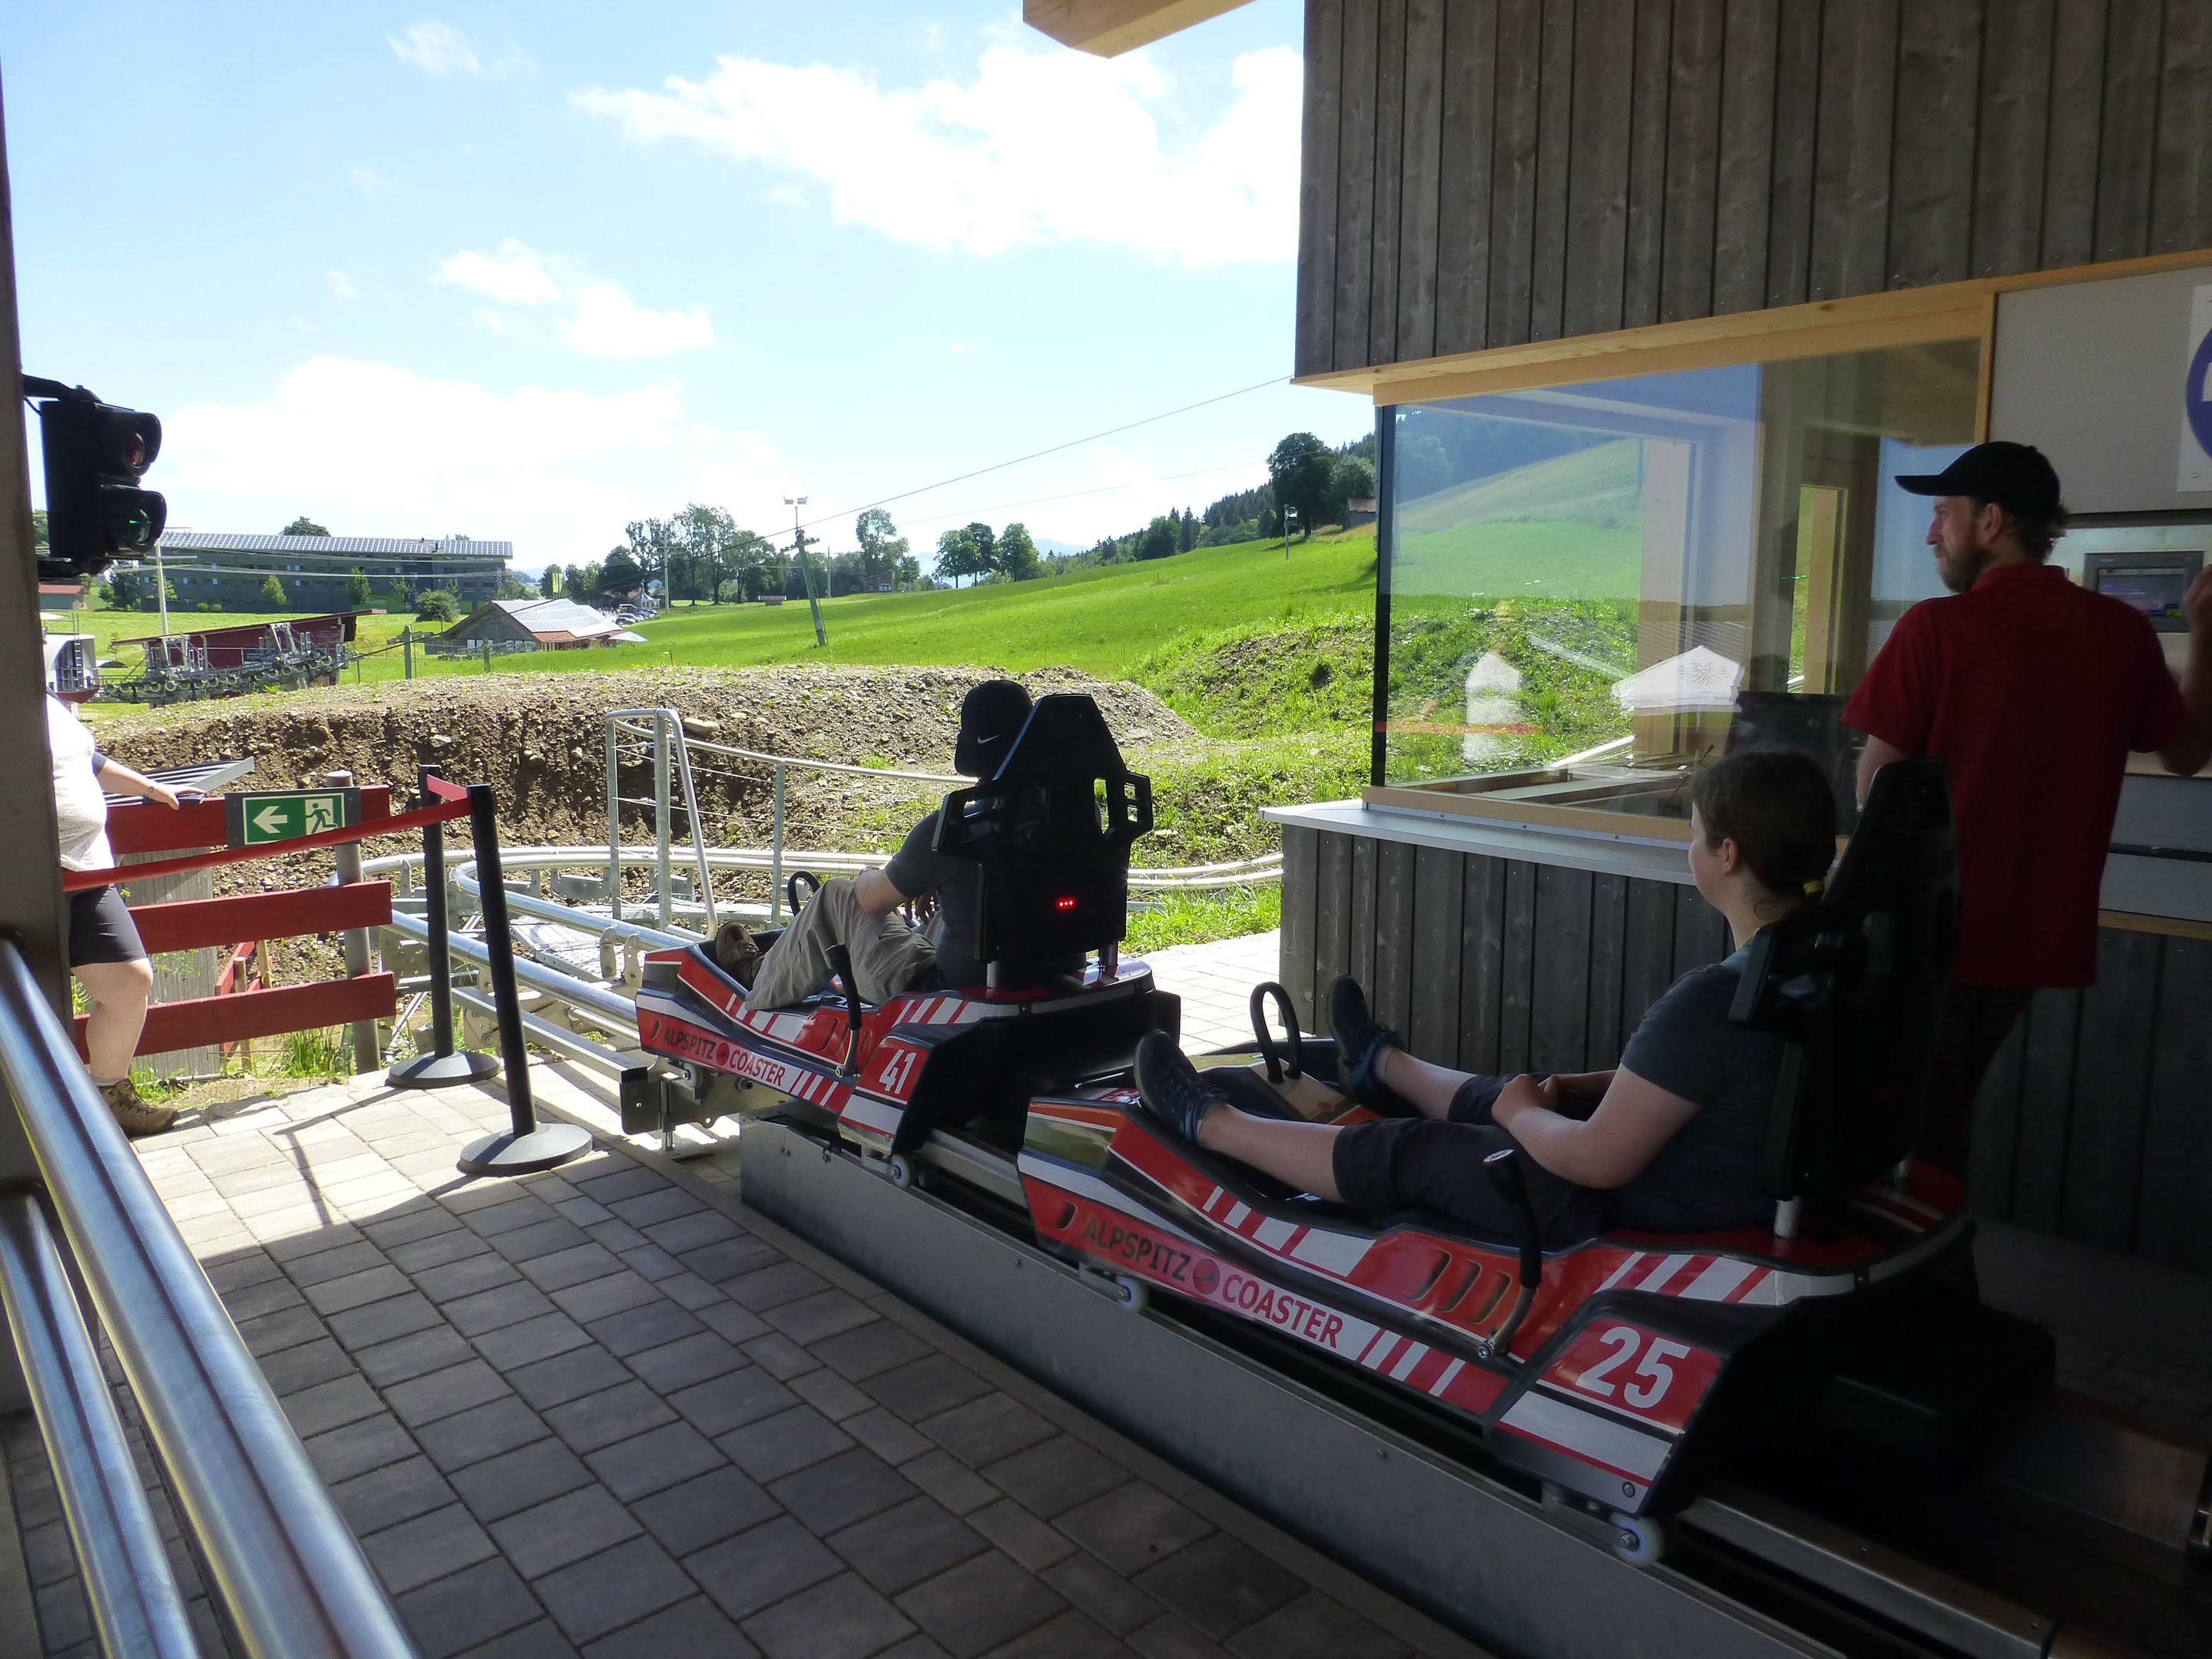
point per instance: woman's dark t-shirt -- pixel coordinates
(1707, 1176)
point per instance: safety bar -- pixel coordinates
(127, 1582)
(282, 1562)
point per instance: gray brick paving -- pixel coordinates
(607, 1411)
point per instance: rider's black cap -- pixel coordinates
(991, 718)
(2016, 476)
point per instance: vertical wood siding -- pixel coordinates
(1484, 173)
(2093, 1123)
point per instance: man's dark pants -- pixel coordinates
(1975, 1020)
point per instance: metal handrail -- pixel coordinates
(282, 1560)
(128, 1584)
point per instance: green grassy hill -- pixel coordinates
(1103, 621)
(1568, 528)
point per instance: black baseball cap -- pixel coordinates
(2016, 476)
(991, 718)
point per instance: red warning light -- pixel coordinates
(1065, 904)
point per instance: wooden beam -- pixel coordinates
(1863, 322)
(1106, 29)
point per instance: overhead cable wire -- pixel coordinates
(1072, 443)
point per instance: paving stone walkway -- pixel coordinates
(607, 1411)
(1215, 982)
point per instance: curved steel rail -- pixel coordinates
(283, 1561)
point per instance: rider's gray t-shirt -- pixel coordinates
(1707, 1176)
(916, 868)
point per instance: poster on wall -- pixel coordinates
(2197, 396)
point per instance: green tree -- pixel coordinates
(1187, 536)
(303, 525)
(1351, 479)
(38, 527)
(1301, 472)
(882, 548)
(986, 543)
(648, 545)
(272, 593)
(1160, 538)
(621, 574)
(959, 555)
(512, 586)
(435, 604)
(1017, 554)
(357, 591)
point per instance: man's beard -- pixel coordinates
(1959, 574)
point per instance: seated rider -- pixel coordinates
(862, 911)
(1669, 1141)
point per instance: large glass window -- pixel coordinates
(1591, 587)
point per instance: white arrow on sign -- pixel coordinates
(269, 820)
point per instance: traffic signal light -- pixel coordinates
(95, 455)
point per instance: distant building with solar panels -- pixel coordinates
(211, 567)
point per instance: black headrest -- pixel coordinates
(1052, 828)
(1855, 982)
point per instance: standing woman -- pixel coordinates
(104, 949)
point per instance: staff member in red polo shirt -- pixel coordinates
(2033, 690)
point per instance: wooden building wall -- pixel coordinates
(1486, 173)
(2085, 1128)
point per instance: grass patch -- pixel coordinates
(1103, 621)
(1179, 918)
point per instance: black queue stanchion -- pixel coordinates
(524, 1148)
(444, 1066)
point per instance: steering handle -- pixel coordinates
(1262, 994)
(791, 888)
(841, 964)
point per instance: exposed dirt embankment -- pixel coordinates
(540, 739)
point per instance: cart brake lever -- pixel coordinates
(1276, 1063)
(1504, 1169)
(841, 964)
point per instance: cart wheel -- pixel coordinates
(900, 1168)
(1132, 1293)
(1639, 1540)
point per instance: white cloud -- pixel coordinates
(1041, 147)
(381, 451)
(370, 183)
(342, 286)
(436, 48)
(607, 325)
(604, 321)
(516, 274)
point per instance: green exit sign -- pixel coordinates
(258, 820)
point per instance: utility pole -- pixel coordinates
(798, 540)
(162, 589)
(1288, 513)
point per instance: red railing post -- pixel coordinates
(442, 1066)
(525, 1148)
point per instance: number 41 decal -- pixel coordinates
(1657, 1377)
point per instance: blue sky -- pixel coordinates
(531, 272)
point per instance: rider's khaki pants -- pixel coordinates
(888, 955)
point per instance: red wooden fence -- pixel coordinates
(190, 924)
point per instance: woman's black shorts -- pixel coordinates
(100, 928)
(1422, 1163)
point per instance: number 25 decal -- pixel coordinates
(1648, 1382)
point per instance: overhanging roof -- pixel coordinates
(1106, 29)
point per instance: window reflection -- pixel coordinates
(1592, 586)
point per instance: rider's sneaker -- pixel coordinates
(1360, 1040)
(1170, 1086)
(136, 1117)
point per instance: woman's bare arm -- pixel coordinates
(1612, 1147)
(117, 778)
